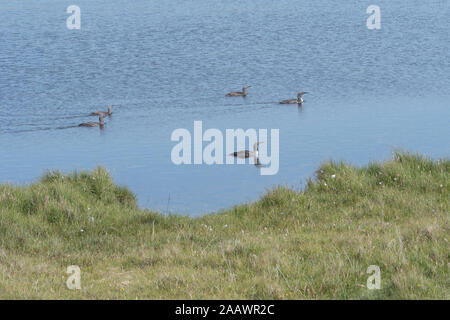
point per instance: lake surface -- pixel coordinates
(164, 64)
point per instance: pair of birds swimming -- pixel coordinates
(239, 154)
(243, 93)
(101, 115)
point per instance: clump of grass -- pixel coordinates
(309, 244)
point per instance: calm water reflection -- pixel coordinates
(164, 65)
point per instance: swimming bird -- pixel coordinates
(100, 123)
(104, 113)
(247, 154)
(242, 93)
(299, 99)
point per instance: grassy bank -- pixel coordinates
(312, 244)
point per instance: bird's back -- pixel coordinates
(234, 94)
(242, 154)
(99, 113)
(88, 124)
(290, 101)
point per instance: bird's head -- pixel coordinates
(256, 146)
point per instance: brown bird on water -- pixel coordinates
(299, 99)
(100, 123)
(242, 93)
(103, 113)
(244, 154)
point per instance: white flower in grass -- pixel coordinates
(333, 176)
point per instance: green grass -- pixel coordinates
(311, 244)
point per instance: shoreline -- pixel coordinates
(314, 243)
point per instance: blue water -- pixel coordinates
(164, 64)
